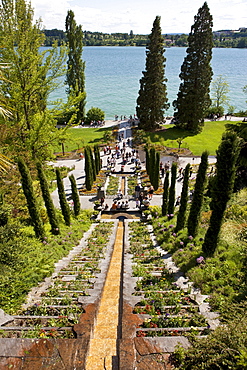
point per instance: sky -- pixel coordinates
(109, 16)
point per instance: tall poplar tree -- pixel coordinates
(147, 159)
(193, 98)
(197, 201)
(27, 186)
(156, 169)
(152, 99)
(62, 198)
(47, 199)
(184, 200)
(172, 189)
(165, 194)
(75, 195)
(152, 164)
(88, 168)
(75, 77)
(227, 155)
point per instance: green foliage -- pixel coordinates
(183, 201)
(165, 194)
(32, 76)
(152, 158)
(193, 98)
(195, 143)
(156, 171)
(75, 77)
(5, 213)
(94, 114)
(227, 155)
(97, 159)
(88, 169)
(152, 98)
(93, 165)
(224, 348)
(62, 198)
(219, 90)
(25, 261)
(197, 201)
(75, 195)
(147, 160)
(10, 247)
(47, 199)
(213, 110)
(172, 190)
(27, 187)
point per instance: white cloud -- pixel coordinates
(119, 16)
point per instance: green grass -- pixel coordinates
(79, 137)
(209, 139)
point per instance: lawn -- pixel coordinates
(77, 138)
(208, 139)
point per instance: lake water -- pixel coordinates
(112, 76)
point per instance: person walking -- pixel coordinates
(150, 192)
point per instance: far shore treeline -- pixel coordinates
(222, 38)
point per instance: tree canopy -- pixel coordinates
(193, 99)
(29, 77)
(152, 99)
(75, 77)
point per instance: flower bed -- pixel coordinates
(58, 309)
(166, 310)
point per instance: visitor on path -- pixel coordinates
(114, 205)
(150, 192)
(137, 191)
(119, 194)
(123, 205)
(138, 203)
(127, 204)
(141, 198)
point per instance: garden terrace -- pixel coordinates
(164, 310)
(57, 309)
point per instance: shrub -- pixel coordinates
(94, 114)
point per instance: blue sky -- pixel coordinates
(138, 15)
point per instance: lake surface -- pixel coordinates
(112, 76)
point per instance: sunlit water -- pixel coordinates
(112, 76)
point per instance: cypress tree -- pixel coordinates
(147, 160)
(93, 177)
(152, 99)
(156, 171)
(227, 155)
(165, 194)
(184, 200)
(62, 198)
(197, 201)
(75, 195)
(47, 199)
(88, 169)
(75, 77)
(172, 189)
(27, 186)
(97, 158)
(152, 165)
(193, 99)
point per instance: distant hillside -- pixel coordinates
(222, 38)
